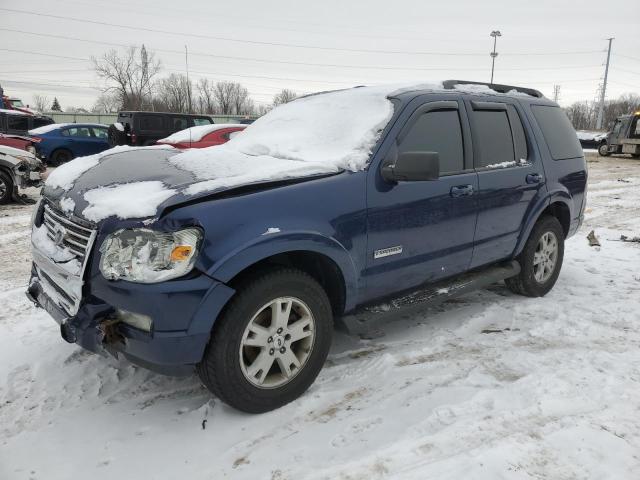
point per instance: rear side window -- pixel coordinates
(492, 135)
(152, 123)
(82, 132)
(558, 132)
(437, 131)
(100, 132)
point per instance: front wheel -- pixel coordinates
(270, 343)
(6, 188)
(603, 150)
(540, 260)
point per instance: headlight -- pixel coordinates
(146, 256)
(31, 149)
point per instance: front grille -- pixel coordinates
(67, 233)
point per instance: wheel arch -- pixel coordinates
(557, 205)
(321, 257)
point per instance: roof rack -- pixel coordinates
(450, 85)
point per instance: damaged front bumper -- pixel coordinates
(99, 326)
(28, 175)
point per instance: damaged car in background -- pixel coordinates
(18, 169)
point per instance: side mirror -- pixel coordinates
(413, 167)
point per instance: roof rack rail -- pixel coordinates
(450, 85)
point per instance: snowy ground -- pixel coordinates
(490, 386)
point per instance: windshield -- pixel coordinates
(336, 128)
(16, 102)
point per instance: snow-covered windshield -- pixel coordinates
(318, 134)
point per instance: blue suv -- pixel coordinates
(461, 185)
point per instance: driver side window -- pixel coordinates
(437, 131)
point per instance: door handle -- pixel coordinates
(534, 178)
(461, 191)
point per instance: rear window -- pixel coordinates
(558, 132)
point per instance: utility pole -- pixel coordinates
(604, 88)
(186, 64)
(495, 34)
(556, 93)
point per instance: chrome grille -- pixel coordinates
(67, 233)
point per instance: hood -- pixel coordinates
(136, 183)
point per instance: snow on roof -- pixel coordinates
(195, 134)
(14, 112)
(48, 128)
(322, 133)
(118, 200)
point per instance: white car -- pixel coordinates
(18, 169)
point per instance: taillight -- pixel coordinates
(36, 139)
(133, 138)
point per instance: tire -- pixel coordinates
(603, 150)
(228, 367)
(6, 188)
(526, 282)
(59, 157)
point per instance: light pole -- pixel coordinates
(495, 34)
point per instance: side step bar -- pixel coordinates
(366, 319)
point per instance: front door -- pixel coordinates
(421, 231)
(510, 177)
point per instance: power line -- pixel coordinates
(618, 69)
(637, 59)
(260, 60)
(278, 44)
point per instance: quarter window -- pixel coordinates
(558, 132)
(437, 131)
(151, 123)
(179, 123)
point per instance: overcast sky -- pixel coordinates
(311, 46)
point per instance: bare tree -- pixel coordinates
(41, 102)
(206, 102)
(128, 75)
(583, 114)
(106, 103)
(285, 96)
(172, 93)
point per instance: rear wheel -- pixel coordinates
(6, 188)
(270, 343)
(603, 150)
(540, 260)
(59, 157)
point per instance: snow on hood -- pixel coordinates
(195, 134)
(129, 200)
(65, 175)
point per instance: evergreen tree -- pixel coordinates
(56, 106)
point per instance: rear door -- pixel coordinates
(99, 139)
(423, 230)
(510, 176)
(150, 127)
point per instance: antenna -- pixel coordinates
(186, 65)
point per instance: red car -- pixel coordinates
(19, 141)
(203, 136)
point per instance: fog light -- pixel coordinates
(137, 320)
